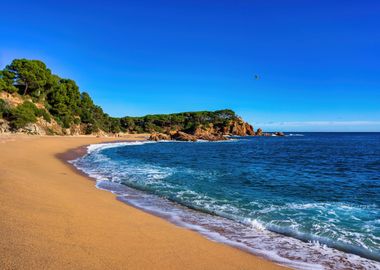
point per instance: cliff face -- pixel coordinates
(239, 128)
(235, 127)
(212, 132)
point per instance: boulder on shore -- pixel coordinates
(159, 137)
(32, 129)
(182, 136)
(211, 137)
(208, 135)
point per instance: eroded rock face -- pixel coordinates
(183, 136)
(210, 132)
(239, 128)
(259, 132)
(49, 128)
(76, 130)
(249, 129)
(33, 129)
(4, 126)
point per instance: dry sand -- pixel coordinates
(54, 218)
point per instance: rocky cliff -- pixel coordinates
(235, 127)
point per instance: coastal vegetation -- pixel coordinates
(37, 93)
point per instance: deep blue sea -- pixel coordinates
(307, 200)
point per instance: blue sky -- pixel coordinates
(318, 61)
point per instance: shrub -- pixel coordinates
(76, 121)
(4, 108)
(6, 84)
(44, 114)
(91, 128)
(2, 85)
(66, 121)
(23, 115)
(49, 131)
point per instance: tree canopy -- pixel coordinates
(30, 76)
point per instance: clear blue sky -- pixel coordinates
(318, 61)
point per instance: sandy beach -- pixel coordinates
(55, 218)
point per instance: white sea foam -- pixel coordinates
(101, 146)
(257, 225)
(295, 135)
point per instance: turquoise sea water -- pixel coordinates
(310, 200)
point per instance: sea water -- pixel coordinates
(307, 200)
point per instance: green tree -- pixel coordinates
(30, 76)
(2, 82)
(86, 105)
(6, 83)
(63, 101)
(23, 114)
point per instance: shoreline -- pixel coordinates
(53, 217)
(194, 219)
(73, 154)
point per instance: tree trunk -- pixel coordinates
(26, 88)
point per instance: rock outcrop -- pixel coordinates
(182, 136)
(249, 129)
(4, 126)
(210, 132)
(239, 128)
(159, 137)
(259, 132)
(212, 137)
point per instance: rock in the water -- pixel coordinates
(209, 134)
(259, 132)
(281, 134)
(211, 137)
